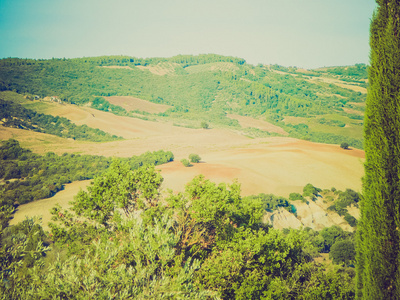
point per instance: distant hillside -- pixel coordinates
(322, 105)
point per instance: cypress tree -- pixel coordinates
(378, 240)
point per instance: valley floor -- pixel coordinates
(278, 165)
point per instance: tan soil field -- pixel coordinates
(132, 103)
(246, 122)
(278, 165)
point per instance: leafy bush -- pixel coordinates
(270, 202)
(296, 196)
(343, 252)
(350, 219)
(204, 125)
(194, 158)
(186, 162)
(311, 191)
(344, 145)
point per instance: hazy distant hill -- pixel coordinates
(322, 105)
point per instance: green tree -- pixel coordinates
(311, 191)
(204, 125)
(119, 188)
(185, 162)
(343, 252)
(194, 158)
(378, 256)
(344, 145)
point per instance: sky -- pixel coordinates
(302, 33)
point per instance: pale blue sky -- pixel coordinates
(303, 33)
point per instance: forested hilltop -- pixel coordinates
(322, 105)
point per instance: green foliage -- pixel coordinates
(296, 196)
(378, 260)
(249, 262)
(21, 248)
(205, 243)
(311, 191)
(344, 145)
(270, 202)
(350, 219)
(343, 252)
(186, 162)
(333, 234)
(310, 281)
(331, 122)
(204, 125)
(345, 199)
(194, 158)
(211, 204)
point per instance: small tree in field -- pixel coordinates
(344, 146)
(204, 125)
(194, 158)
(185, 162)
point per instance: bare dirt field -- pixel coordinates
(278, 165)
(132, 103)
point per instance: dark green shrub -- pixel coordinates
(343, 252)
